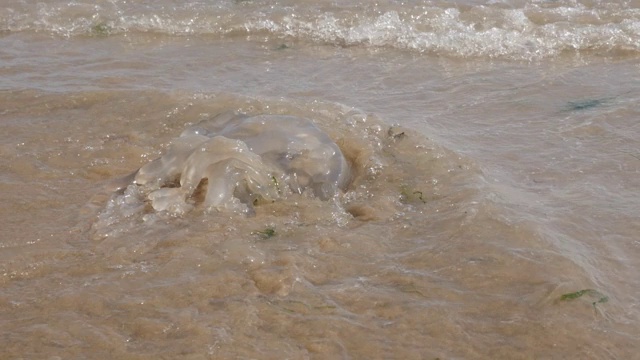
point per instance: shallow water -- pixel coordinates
(496, 168)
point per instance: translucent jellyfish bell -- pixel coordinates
(167, 168)
(306, 154)
(245, 159)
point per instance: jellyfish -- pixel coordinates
(245, 160)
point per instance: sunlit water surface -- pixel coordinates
(494, 178)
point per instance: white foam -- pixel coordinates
(535, 29)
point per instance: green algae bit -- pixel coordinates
(594, 294)
(585, 104)
(276, 184)
(266, 233)
(409, 195)
(282, 47)
(101, 29)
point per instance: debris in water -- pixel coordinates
(601, 298)
(585, 104)
(266, 233)
(408, 195)
(101, 29)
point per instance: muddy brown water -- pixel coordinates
(486, 188)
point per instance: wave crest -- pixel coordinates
(528, 31)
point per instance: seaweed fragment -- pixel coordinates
(282, 47)
(411, 289)
(584, 104)
(266, 233)
(396, 133)
(409, 195)
(101, 29)
(600, 297)
(276, 184)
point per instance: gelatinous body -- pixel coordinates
(245, 160)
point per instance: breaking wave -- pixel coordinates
(525, 30)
